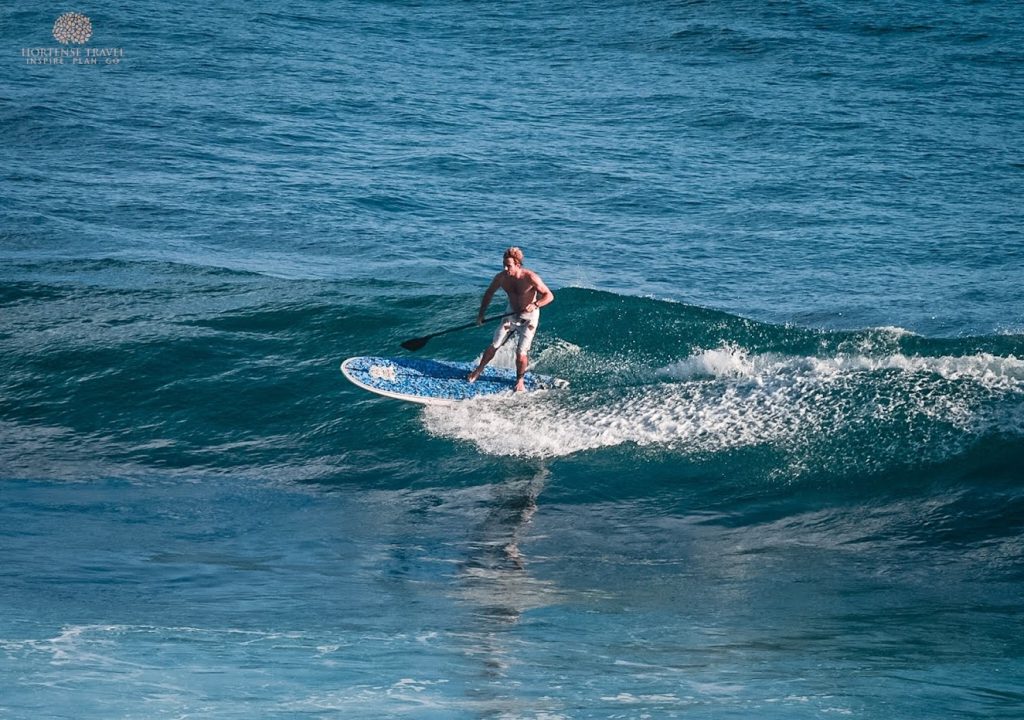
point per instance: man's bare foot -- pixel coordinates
(520, 385)
(473, 375)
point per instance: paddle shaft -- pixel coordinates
(417, 343)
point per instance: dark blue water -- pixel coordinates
(786, 245)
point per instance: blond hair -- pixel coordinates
(514, 253)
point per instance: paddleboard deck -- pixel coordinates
(436, 382)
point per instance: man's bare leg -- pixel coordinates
(487, 357)
(522, 362)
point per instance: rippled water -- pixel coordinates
(786, 249)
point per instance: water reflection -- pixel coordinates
(493, 576)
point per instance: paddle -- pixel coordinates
(417, 343)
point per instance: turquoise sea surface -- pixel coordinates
(786, 241)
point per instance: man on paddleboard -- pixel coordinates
(527, 294)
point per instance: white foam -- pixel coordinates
(732, 361)
(702, 418)
(724, 361)
(896, 331)
(652, 699)
(557, 351)
(742, 399)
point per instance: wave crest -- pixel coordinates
(858, 411)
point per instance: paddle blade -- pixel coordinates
(416, 343)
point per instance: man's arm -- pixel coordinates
(544, 294)
(491, 289)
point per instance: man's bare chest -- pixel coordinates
(514, 286)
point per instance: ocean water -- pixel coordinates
(785, 240)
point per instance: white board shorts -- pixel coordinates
(523, 326)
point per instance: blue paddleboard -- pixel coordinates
(436, 382)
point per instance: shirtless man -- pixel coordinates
(527, 294)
